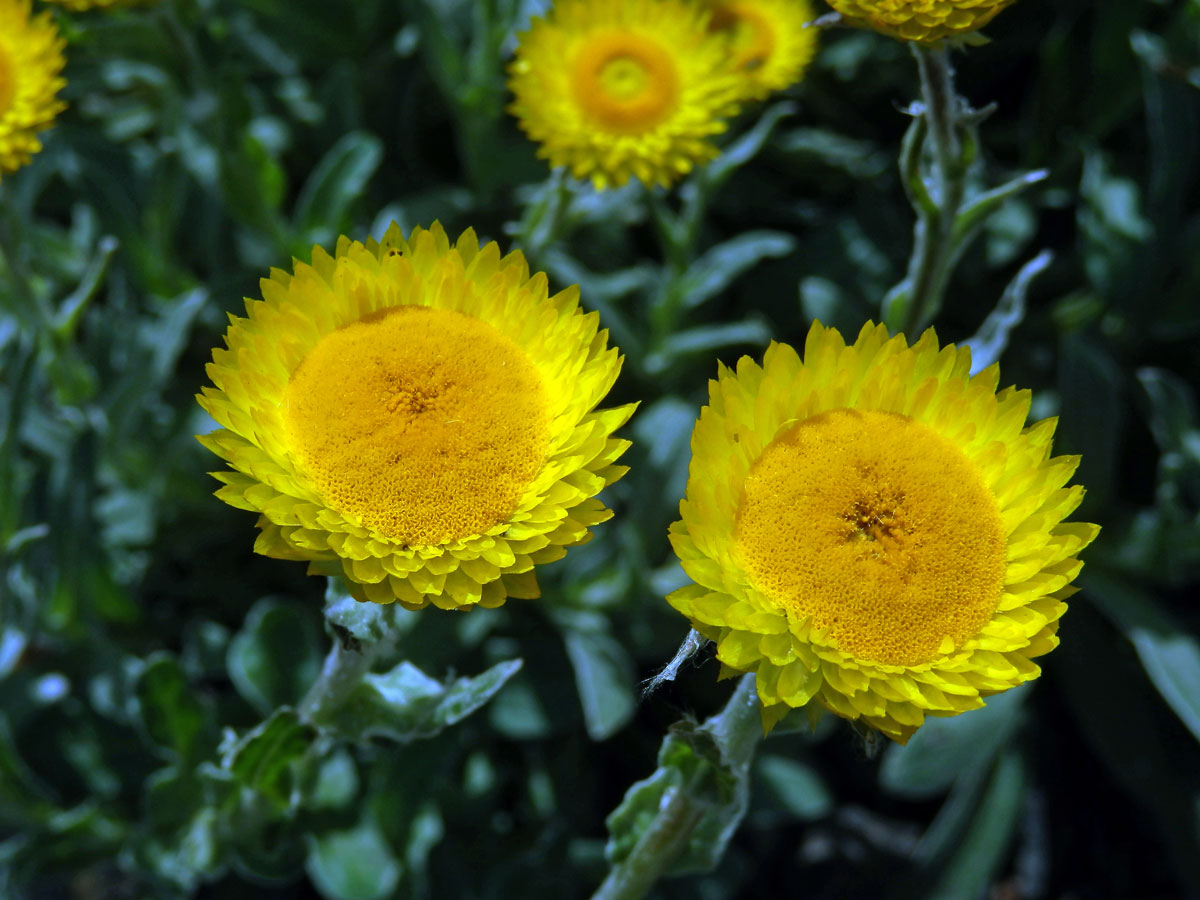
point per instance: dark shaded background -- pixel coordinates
(208, 140)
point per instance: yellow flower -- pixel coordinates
(418, 417)
(874, 529)
(924, 21)
(31, 61)
(615, 89)
(768, 39)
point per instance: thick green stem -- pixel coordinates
(736, 730)
(362, 634)
(915, 302)
(342, 672)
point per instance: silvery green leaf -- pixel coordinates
(404, 704)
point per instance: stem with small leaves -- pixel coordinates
(942, 125)
(737, 729)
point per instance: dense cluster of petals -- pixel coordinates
(923, 21)
(620, 89)
(374, 481)
(830, 560)
(31, 63)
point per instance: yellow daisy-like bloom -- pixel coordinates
(31, 61)
(770, 44)
(875, 529)
(418, 417)
(615, 89)
(923, 21)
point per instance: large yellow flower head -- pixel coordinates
(615, 89)
(31, 61)
(924, 21)
(874, 529)
(770, 44)
(418, 416)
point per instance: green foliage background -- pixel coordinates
(149, 660)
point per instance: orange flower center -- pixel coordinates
(8, 82)
(625, 82)
(751, 37)
(426, 425)
(876, 529)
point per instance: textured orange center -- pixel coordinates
(625, 82)
(8, 84)
(751, 37)
(877, 528)
(424, 424)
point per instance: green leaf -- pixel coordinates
(1091, 384)
(335, 783)
(405, 704)
(518, 714)
(164, 336)
(263, 758)
(173, 716)
(978, 858)
(721, 265)
(1172, 413)
(182, 843)
(1114, 203)
(1170, 656)
(22, 797)
(798, 787)
(860, 159)
(943, 749)
(356, 864)
(991, 340)
(706, 339)
(605, 679)
(339, 179)
(276, 656)
(981, 207)
(746, 147)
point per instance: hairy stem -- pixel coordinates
(913, 304)
(737, 730)
(341, 673)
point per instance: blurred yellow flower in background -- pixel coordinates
(418, 416)
(874, 529)
(924, 21)
(770, 45)
(620, 89)
(31, 63)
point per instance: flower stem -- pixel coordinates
(736, 730)
(913, 304)
(362, 634)
(342, 672)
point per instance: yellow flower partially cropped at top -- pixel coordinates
(923, 21)
(875, 530)
(768, 40)
(620, 89)
(418, 416)
(31, 63)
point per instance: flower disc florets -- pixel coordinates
(620, 89)
(923, 21)
(418, 417)
(874, 529)
(31, 61)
